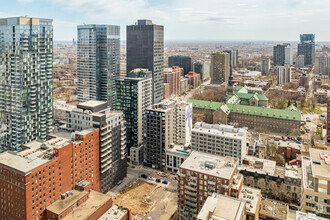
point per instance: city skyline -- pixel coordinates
(215, 20)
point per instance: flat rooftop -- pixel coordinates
(20, 163)
(254, 164)
(292, 171)
(116, 212)
(178, 149)
(92, 103)
(220, 130)
(222, 207)
(273, 209)
(320, 162)
(95, 201)
(223, 167)
(252, 197)
(289, 144)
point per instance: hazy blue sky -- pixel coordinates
(281, 20)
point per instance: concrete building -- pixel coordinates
(300, 61)
(182, 61)
(222, 140)
(274, 182)
(172, 76)
(273, 210)
(38, 176)
(98, 62)
(26, 80)
(282, 54)
(203, 69)
(219, 71)
(222, 207)
(61, 109)
(165, 123)
(176, 155)
(113, 150)
(306, 47)
(200, 176)
(194, 80)
(283, 74)
(233, 57)
(145, 49)
(117, 212)
(134, 96)
(303, 80)
(184, 85)
(315, 182)
(252, 197)
(322, 65)
(265, 66)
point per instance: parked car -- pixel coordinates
(158, 180)
(308, 119)
(144, 176)
(150, 178)
(319, 125)
(165, 182)
(293, 207)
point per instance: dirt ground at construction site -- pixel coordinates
(145, 199)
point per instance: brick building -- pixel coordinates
(172, 76)
(194, 79)
(36, 177)
(200, 176)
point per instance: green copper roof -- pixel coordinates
(266, 112)
(292, 108)
(205, 104)
(249, 95)
(233, 99)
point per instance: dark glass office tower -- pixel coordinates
(307, 48)
(26, 80)
(98, 62)
(182, 61)
(145, 49)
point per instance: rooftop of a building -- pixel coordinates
(262, 166)
(250, 110)
(95, 201)
(252, 197)
(320, 163)
(92, 103)
(289, 144)
(307, 216)
(37, 153)
(116, 212)
(164, 106)
(23, 20)
(179, 149)
(292, 171)
(273, 209)
(220, 129)
(223, 167)
(222, 207)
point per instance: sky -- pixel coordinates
(195, 20)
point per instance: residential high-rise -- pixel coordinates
(134, 96)
(172, 76)
(233, 57)
(300, 61)
(26, 79)
(283, 74)
(306, 47)
(182, 61)
(265, 66)
(145, 49)
(165, 123)
(98, 62)
(113, 151)
(328, 117)
(282, 54)
(33, 179)
(322, 65)
(202, 68)
(194, 79)
(220, 140)
(315, 182)
(220, 64)
(201, 175)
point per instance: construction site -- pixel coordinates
(142, 198)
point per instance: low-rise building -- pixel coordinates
(200, 176)
(275, 182)
(273, 210)
(117, 212)
(176, 155)
(252, 197)
(222, 140)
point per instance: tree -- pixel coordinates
(280, 161)
(295, 132)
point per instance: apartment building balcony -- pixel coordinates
(192, 188)
(190, 192)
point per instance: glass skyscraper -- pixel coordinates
(26, 79)
(182, 61)
(145, 49)
(307, 48)
(98, 62)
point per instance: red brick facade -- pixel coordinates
(173, 78)
(26, 195)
